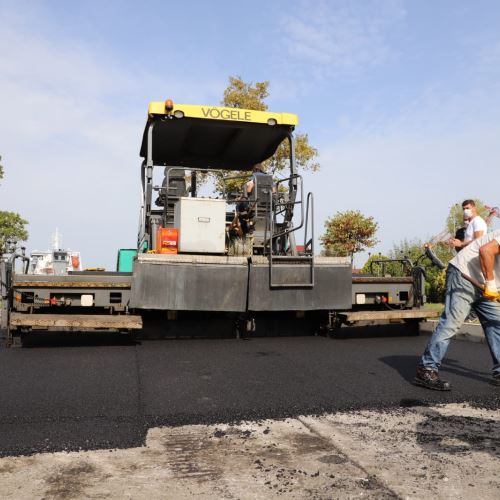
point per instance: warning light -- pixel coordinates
(169, 106)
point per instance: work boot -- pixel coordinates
(496, 379)
(429, 378)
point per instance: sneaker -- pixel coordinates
(496, 379)
(429, 378)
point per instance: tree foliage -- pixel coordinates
(392, 265)
(12, 225)
(240, 94)
(381, 265)
(348, 233)
(1, 168)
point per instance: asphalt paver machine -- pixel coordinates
(204, 258)
(235, 252)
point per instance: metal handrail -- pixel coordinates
(309, 215)
(309, 205)
(293, 203)
(383, 264)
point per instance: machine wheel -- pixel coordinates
(17, 341)
(412, 327)
(244, 326)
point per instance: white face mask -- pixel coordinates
(467, 213)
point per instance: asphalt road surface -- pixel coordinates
(56, 397)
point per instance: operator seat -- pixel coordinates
(177, 187)
(261, 195)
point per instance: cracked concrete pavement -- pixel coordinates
(449, 451)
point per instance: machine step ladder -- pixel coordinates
(288, 261)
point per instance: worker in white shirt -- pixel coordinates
(476, 226)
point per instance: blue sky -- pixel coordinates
(402, 100)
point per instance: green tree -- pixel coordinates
(411, 249)
(455, 217)
(348, 233)
(435, 287)
(240, 94)
(12, 225)
(435, 284)
(377, 264)
(406, 249)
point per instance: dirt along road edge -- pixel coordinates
(451, 451)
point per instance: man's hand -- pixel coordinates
(491, 294)
(490, 291)
(487, 255)
(454, 243)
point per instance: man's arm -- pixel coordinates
(480, 229)
(493, 211)
(456, 243)
(487, 255)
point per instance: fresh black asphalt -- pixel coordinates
(56, 397)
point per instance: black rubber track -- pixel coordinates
(56, 398)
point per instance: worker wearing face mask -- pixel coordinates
(476, 226)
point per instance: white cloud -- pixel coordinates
(71, 121)
(406, 164)
(407, 172)
(340, 38)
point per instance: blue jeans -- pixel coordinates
(460, 297)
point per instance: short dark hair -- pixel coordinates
(460, 233)
(472, 203)
(258, 167)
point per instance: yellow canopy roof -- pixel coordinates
(214, 137)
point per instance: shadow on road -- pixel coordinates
(405, 365)
(76, 339)
(385, 330)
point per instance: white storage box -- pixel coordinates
(201, 223)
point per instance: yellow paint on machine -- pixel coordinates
(223, 113)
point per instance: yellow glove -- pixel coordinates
(490, 291)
